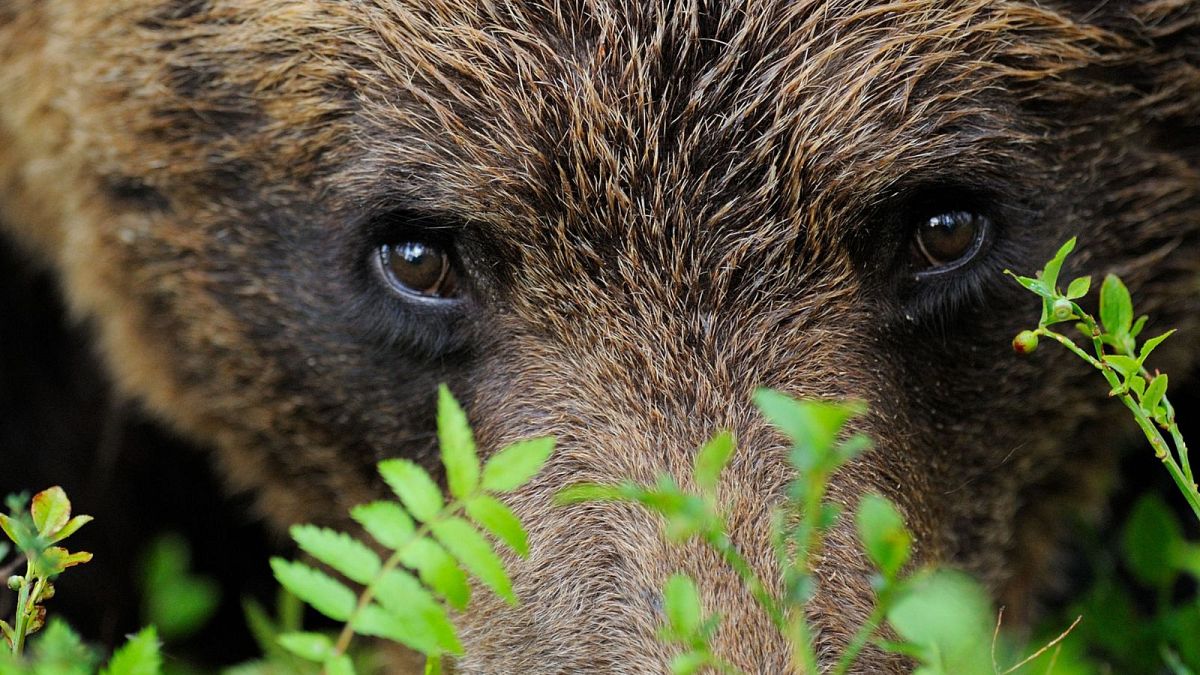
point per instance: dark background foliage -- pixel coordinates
(61, 425)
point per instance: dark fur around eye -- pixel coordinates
(932, 287)
(430, 325)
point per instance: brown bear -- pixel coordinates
(286, 221)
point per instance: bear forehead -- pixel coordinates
(601, 121)
(619, 115)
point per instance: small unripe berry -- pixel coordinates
(1063, 309)
(1025, 342)
(14, 582)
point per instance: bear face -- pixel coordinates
(290, 220)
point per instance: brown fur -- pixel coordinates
(663, 205)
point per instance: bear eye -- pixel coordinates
(949, 240)
(418, 268)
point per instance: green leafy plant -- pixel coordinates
(35, 534)
(1120, 630)
(432, 544)
(943, 618)
(1116, 353)
(1141, 616)
(175, 601)
(687, 627)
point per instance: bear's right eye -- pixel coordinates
(950, 239)
(418, 268)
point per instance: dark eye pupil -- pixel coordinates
(418, 268)
(948, 237)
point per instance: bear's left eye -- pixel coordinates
(418, 268)
(948, 240)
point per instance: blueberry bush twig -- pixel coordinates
(1115, 352)
(405, 597)
(943, 619)
(35, 533)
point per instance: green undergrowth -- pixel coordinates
(1142, 614)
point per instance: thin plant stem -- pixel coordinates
(803, 654)
(1150, 430)
(811, 543)
(864, 633)
(1047, 646)
(21, 621)
(393, 561)
(719, 540)
(1070, 344)
(1181, 448)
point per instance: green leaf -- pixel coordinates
(387, 522)
(176, 602)
(139, 656)
(812, 426)
(1116, 307)
(1031, 284)
(946, 617)
(881, 528)
(1183, 625)
(853, 447)
(457, 445)
(590, 492)
(513, 466)
(1052, 268)
(438, 570)
(475, 554)
(402, 596)
(1125, 365)
(308, 646)
(51, 561)
(339, 551)
(433, 665)
(1177, 666)
(493, 516)
(59, 650)
(408, 630)
(1138, 384)
(1151, 541)
(51, 510)
(828, 515)
(15, 502)
(689, 662)
(711, 461)
(1079, 288)
(70, 528)
(419, 494)
(1154, 393)
(18, 532)
(262, 629)
(325, 594)
(340, 664)
(1149, 345)
(681, 602)
(1138, 326)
